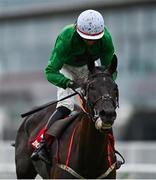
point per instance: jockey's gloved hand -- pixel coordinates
(73, 85)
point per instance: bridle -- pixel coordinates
(84, 95)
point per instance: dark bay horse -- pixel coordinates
(86, 147)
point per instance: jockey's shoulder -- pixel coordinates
(107, 35)
(67, 32)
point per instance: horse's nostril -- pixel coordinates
(102, 113)
(107, 113)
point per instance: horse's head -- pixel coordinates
(102, 96)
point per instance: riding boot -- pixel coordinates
(60, 113)
(41, 152)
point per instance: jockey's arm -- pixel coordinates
(55, 63)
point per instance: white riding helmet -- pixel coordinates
(90, 25)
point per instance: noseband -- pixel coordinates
(106, 97)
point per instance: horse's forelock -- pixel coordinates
(98, 72)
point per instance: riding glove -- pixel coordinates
(73, 85)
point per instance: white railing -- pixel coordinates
(140, 160)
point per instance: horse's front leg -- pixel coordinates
(24, 166)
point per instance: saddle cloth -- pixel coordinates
(56, 130)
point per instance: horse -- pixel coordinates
(86, 147)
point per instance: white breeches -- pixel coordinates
(73, 73)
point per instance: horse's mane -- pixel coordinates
(98, 71)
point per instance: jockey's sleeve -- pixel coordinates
(57, 59)
(107, 51)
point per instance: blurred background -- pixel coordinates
(28, 29)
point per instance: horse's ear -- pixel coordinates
(113, 66)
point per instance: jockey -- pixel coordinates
(76, 46)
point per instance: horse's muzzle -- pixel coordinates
(99, 125)
(108, 116)
(105, 120)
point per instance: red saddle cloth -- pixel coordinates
(39, 137)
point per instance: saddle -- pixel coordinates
(58, 128)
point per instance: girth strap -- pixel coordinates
(75, 174)
(70, 170)
(109, 170)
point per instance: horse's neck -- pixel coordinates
(92, 146)
(91, 140)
